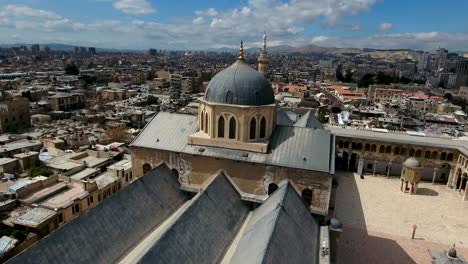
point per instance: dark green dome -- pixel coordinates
(240, 84)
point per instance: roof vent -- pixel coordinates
(157, 140)
(245, 154)
(305, 159)
(201, 149)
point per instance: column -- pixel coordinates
(465, 195)
(360, 168)
(389, 168)
(401, 186)
(450, 179)
(374, 167)
(434, 175)
(349, 161)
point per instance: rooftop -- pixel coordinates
(293, 147)
(34, 217)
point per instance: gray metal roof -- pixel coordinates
(309, 120)
(206, 228)
(461, 145)
(281, 230)
(282, 118)
(240, 84)
(292, 147)
(104, 233)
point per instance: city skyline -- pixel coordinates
(141, 24)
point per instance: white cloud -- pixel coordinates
(284, 22)
(21, 10)
(199, 20)
(134, 7)
(385, 26)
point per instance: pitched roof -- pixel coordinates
(309, 120)
(206, 228)
(283, 119)
(280, 231)
(215, 226)
(293, 147)
(105, 232)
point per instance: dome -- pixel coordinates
(335, 225)
(240, 84)
(452, 253)
(412, 163)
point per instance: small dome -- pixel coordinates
(335, 225)
(412, 163)
(240, 84)
(452, 253)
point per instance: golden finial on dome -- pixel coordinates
(241, 51)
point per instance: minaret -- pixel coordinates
(263, 58)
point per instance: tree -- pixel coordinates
(366, 80)
(72, 69)
(348, 76)
(339, 74)
(448, 96)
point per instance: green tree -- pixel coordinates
(448, 96)
(72, 69)
(339, 73)
(348, 76)
(366, 80)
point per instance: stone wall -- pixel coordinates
(253, 178)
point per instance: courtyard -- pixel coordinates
(378, 220)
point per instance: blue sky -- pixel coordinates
(202, 24)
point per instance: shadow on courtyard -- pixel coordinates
(427, 192)
(355, 245)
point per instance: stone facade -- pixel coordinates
(253, 126)
(252, 178)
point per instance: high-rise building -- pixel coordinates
(263, 58)
(35, 48)
(152, 52)
(76, 50)
(461, 69)
(92, 50)
(441, 59)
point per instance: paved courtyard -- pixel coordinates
(378, 220)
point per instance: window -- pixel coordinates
(99, 197)
(146, 168)
(403, 151)
(262, 127)
(253, 128)
(272, 187)
(434, 155)
(382, 149)
(202, 122)
(396, 151)
(60, 218)
(232, 128)
(221, 127)
(229, 97)
(206, 122)
(369, 166)
(91, 199)
(307, 195)
(418, 153)
(367, 147)
(450, 157)
(443, 156)
(388, 149)
(75, 209)
(427, 155)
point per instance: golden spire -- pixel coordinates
(241, 51)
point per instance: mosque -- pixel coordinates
(241, 130)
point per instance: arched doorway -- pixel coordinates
(146, 168)
(272, 187)
(176, 172)
(353, 162)
(307, 195)
(341, 161)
